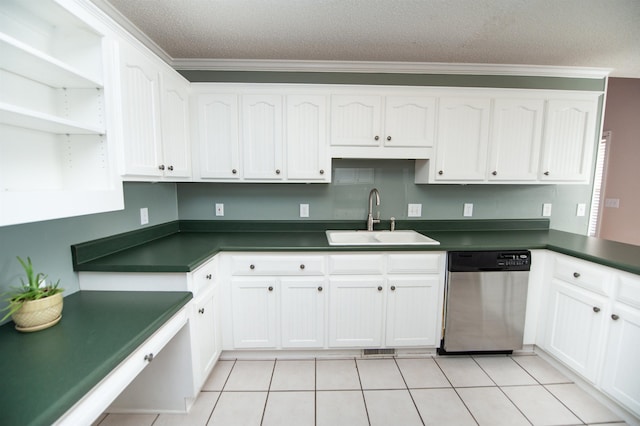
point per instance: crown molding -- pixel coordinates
(388, 67)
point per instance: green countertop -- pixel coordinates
(45, 373)
(183, 246)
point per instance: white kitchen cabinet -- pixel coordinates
(376, 126)
(254, 316)
(302, 313)
(262, 131)
(356, 311)
(569, 138)
(575, 326)
(218, 151)
(620, 376)
(206, 339)
(516, 137)
(463, 138)
(413, 308)
(154, 118)
(57, 113)
(307, 149)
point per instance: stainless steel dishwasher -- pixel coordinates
(486, 298)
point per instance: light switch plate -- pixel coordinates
(219, 209)
(304, 210)
(414, 210)
(144, 216)
(612, 203)
(467, 210)
(581, 210)
(546, 209)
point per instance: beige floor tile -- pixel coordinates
(540, 406)
(290, 408)
(238, 409)
(218, 376)
(463, 372)
(422, 373)
(129, 420)
(294, 375)
(583, 405)
(391, 407)
(490, 407)
(540, 369)
(197, 416)
(504, 371)
(380, 374)
(337, 375)
(441, 407)
(340, 408)
(250, 376)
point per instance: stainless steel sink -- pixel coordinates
(373, 238)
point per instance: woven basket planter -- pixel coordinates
(39, 314)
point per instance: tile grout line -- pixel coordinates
(364, 400)
(315, 391)
(456, 391)
(221, 390)
(266, 401)
(409, 391)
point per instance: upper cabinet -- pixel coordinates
(375, 126)
(251, 135)
(516, 136)
(57, 156)
(155, 117)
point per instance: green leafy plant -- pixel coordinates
(31, 289)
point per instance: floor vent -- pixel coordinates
(368, 352)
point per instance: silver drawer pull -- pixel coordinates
(320, 288)
(615, 317)
(302, 266)
(201, 311)
(576, 274)
(208, 276)
(148, 357)
(393, 288)
(270, 288)
(252, 266)
(596, 309)
(379, 288)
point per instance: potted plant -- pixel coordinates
(35, 305)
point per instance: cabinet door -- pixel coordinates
(356, 120)
(140, 78)
(569, 140)
(574, 327)
(409, 121)
(302, 310)
(218, 139)
(176, 147)
(254, 313)
(206, 336)
(307, 151)
(413, 311)
(262, 137)
(356, 312)
(621, 377)
(463, 135)
(516, 137)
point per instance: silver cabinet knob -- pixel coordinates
(321, 171)
(441, 172)
(393, 288)
(270, 288)
(252, 266)
(320, 288)
(201, 311)
(546, 173)
(596, 309)
(148, 357)
(376, 137)
(379, 288)
(576, 275)
(277, 171)
(161, 167)
(170, 168)
(615, 317)
(388, 138)
(209, 276)
(234, 171)
(495, 172)
(302, 266)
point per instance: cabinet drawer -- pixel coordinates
(629, 289)
(582, 273)
(349, 264)
(418, 263)
(277, 265)
(203, 277)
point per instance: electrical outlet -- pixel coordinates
(304, 210)
(144, 216)
(546, 209)
(414, 210)
(581, 210)
(612, 202)
(468, 210)
(219, 209)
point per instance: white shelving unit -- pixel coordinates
(56, 156)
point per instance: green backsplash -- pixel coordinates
(394, 180)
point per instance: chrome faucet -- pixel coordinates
(370, 219)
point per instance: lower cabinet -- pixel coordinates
(302, 312)
(254, 312)
(206, 344)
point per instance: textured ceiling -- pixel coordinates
(582, 33)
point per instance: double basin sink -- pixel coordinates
(381, 238)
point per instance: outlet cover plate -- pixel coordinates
(467, 210)
(414, 210)
(219, 209)
(546, 209)
(304, 210)
(144, 216)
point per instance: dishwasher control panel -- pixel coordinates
(476, 261)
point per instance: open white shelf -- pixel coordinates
(24, 117)
(19, 58)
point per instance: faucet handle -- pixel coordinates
(392, 227)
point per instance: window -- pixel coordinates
(597, 183)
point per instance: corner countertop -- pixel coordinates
(45, 373)
(184, 245)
